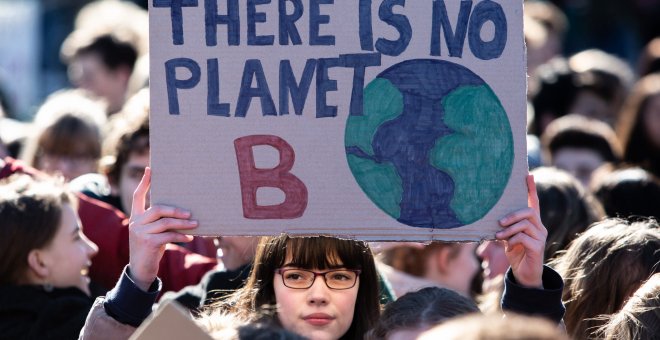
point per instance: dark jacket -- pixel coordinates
(29, 312)
(214, 285)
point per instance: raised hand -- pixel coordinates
(524, 239)
(150, 230)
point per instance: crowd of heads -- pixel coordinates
(594, 116)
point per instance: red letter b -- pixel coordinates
(252, 178)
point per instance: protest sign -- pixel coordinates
(369, 119)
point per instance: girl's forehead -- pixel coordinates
(332, 259)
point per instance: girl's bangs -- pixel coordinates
(324, 253)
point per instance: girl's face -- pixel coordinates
(652, 120)
(317, 312)
(69, 167)
(68, 256)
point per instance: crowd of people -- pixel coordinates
(85, 255)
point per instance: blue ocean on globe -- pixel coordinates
(433, 147)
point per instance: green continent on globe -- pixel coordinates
(382, 102)
(479, 154)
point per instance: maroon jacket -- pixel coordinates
(108, 228)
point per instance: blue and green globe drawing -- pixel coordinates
(433, 147)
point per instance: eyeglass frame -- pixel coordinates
(325, 280)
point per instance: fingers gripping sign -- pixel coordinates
(524, 237)
(150, 230)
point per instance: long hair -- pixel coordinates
(603, 267)
(258, 295)
(640, 316)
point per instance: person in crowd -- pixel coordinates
(67, 139)
(544, 28)
(108, 228)
(416, 312)
(122, 175)
(495, 327)
(603, 267)
(639, 125)
(639, 318)
(552, 90)
(603, 81)
(318, 287)
(580, 145)
(567, 208)
(627, 192)
(44, 283)
(441, 264)
(101, 63)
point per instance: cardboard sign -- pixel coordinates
(368, 119)
(170, 322)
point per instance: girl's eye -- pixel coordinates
(293, 276)
(341, 276)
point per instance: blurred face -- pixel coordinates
(69, 167)
(591, 105)
(129, 178)
(493, 261)
(652, 120)
(463, 268)
(579, 162)
(87, 71)
(317, 312)
(237, 251)
(68, 257)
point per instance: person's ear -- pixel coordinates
(37, 263)
(442, 259)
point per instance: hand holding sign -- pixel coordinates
(524, 237)
(150, 230)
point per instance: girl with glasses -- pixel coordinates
(318, 287)
(323, 287)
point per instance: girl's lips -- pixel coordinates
(318, 319)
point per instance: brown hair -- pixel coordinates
(627, 192)
(424, 308)
(640, 316)
(603, 267)
(638, 148)
(577, 131)
(258, 294)
(69, 123)
(132, 141)
(30, 214)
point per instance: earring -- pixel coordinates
(48, 287)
